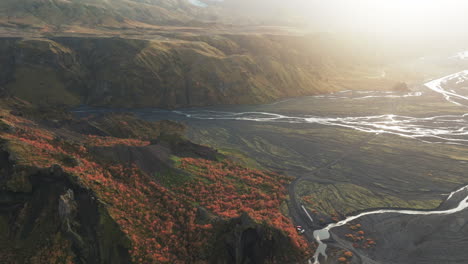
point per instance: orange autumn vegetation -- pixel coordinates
(159, 222)
(357, 236)
(228, 190)
(161, 227)
(346, 257)
(98, 141)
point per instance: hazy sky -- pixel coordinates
(399, 17)
(390, 16)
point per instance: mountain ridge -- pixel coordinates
(180, 71)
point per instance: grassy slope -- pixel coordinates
(345, 198)
(56, 14)
(178, 72)
(49, 90)
(175, 66)
(388, 171)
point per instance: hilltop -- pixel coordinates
(55, 15)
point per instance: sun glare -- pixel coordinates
(393, 16)
(404, 15)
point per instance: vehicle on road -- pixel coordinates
(300, 230)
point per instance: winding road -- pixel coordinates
(296, 211)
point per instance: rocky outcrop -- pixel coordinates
(46, 210)
(243, 241)
(400, 87)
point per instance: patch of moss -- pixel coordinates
(4, 227)
(345, 198)
(4, 126)
(66, 160)
(171, 178)
(112, 237)
(41, 86)
(19, 182)
(124, 125)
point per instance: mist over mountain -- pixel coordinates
(399, 22)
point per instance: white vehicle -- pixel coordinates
(300, 230)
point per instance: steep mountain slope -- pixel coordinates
(55, 14)
(70, 192)
(165, 53)
(179, 71)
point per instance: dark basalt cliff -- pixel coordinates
(241, 240)
(45, 210)
(178, 71)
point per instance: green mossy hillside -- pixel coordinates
(178, 71)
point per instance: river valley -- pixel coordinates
(355, 151)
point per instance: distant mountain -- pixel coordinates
(179, 71)
(97, 13)
(166, 53)
(259, 12)
(57, 15)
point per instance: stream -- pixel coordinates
(451, 96)
(445, 129)
(441, 128)
(323, 234)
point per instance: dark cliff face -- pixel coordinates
(46, 209)
(178, 72)
(242, 241)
